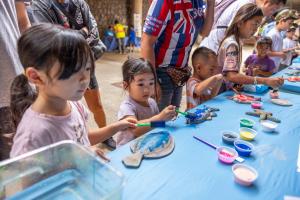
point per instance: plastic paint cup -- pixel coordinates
(247, 133)
(243, 148)
(244, 174)
(226, 155)
(246, 123)
(229, 137)
(256, 105)
(268, 126)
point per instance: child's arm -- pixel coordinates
(101, 134)
(217, 86)
(165, 115)
(212, 82)
(209, 18)
(235, 77)
(280, 54)
(258, 72)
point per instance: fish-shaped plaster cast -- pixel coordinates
(152, 145)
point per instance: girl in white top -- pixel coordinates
(243, 26)
(229, 10)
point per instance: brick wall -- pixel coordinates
(106, 11)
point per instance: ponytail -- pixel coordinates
(22, 96)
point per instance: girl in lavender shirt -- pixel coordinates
(140, 81)
(58, 62)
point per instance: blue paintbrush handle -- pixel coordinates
(154, 124)
(203, 141)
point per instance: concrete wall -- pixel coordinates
(106, 11)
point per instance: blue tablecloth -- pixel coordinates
(289, 86)
(193, 171)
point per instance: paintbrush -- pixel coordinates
(153, 124)
(186, 114)
(239, 159)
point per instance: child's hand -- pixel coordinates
(219, 77)
(283, 56)
(168, 113)
(126, 123)
(274, 82)
(99, 153)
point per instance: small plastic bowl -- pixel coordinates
(248, 123)
(229, 137)
(268, 126)
(244, 174)
(226, 155)
(247, 133)
(243, 148)
(256, 105)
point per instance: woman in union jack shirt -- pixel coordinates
(170, 30)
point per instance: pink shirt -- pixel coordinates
(130, 107)
(38, 130)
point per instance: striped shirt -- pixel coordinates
(176, 23)
(192, 99)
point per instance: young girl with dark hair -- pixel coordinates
(140, 82)
(58, 62)
(243, 26)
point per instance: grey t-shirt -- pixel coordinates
(129, 107)
(10, 65)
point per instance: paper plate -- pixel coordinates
(281, 102)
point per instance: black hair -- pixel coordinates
(116, 21)
(264, 40)
(202, 52)
(278, 1)
(136, 66)
(41, 46)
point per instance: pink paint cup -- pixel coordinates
(256, 105)
(226, 155)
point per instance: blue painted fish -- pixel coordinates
(153, 145)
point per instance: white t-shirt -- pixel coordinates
(9, 60)
(287, 44)
(213, 40)
(277, 45)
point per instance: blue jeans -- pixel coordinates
(170, 93)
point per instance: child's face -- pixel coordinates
(269, 8)
(141, 87)
(71, 89)
(290, 34)
(286, 24)
(206, 69)
(262, 49)
(249, 27)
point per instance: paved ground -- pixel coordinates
(108, 72)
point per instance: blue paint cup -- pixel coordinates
(243, 148)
